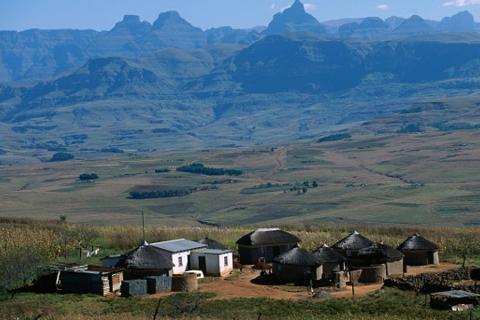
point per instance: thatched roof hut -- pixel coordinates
(267, 236)
(419, 251)
(327, 255)
(297, 257)
(212, 244)
(146, 257)
(296, 265)
(382, 252)
(265, 244)
(352, 243)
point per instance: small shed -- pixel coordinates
(330, 261)
(351, 244)
(213, 262)
(456, 300)
(419, 251)
(265, 243)
(382, 254)
(146, 260)
(296, 266)
(83, 280)
(179, 251)
(212, 244)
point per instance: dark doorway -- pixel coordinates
(276, 251)
(202, 264)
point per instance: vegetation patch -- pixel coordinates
(88, 177)
(198, 168)
(335, 137)
(61, 156)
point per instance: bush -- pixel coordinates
(411, 128)
(198, 168)
(159, 194)
(88, 176)
(335, 137)
(162, 170)
(61, 156)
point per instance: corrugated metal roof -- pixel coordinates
(178, 245)
(354, 241)
(271, 236)
(417, 242)
(215, 251)
(456, 294)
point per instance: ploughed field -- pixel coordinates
(419, 166)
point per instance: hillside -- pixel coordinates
(417, 166)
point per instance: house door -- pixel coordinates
(276, 251)
(202, 264)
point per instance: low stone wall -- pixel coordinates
(434, 282)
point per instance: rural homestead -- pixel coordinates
(179, 264)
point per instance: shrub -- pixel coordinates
(335, 137)
(88, 176)
(198, 168)
(61, 156)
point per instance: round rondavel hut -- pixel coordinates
(265, 244)
(379, 254)
(296, 266)
(144, 261)
(330, 261)
(419, 251)
(350, 245)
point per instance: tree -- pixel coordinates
(314, 184)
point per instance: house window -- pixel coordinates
(180, 261)
(225, 261)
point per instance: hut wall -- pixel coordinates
(421, 258)
(187, 282)
(132, 274)
(85, 282)
(395, 268)
(158, 284)
(373, 274)
(293, 274)
(329, 270)
(134, 288)
(251, 255)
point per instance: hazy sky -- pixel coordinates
(103, 14)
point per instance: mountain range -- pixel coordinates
(170, 85)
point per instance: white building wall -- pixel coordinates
(215, 263)
(229, 267)
(177, 268)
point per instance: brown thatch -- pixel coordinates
(417, 242)
(325, 254)
(297, 257)
(381, 251)
(146, 257)
(212, 244)
(272, 236)
(355, 241)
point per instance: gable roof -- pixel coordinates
(212, 244)
(354, 241)
(265, 236)
(379, 250)
(417, 242)
(325, 254)
(146, 257)
(178, 245)
(297, 257)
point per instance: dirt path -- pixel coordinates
(242, 286)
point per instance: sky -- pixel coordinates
(103, 14)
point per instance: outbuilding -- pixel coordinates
(419, 251)
(331, 262)
(265, 244)
(94, 280)
(296, 266)
(455, 300)
(213, 262)
(381, 254)
(179, 252)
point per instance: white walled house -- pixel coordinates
(212, 262)
(179, 251)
